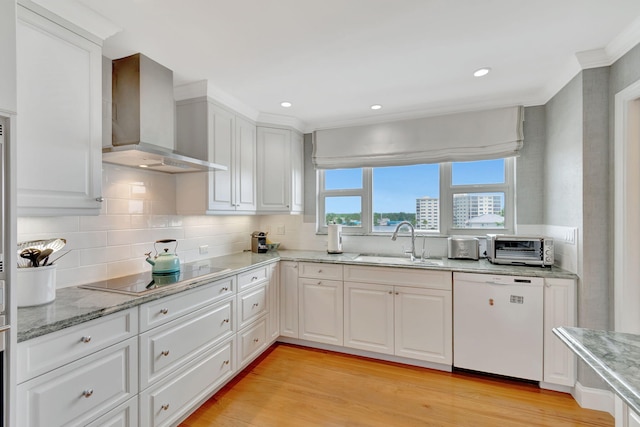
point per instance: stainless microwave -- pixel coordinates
(520, 250)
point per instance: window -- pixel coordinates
(446, 198)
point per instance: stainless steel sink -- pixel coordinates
(382, 259)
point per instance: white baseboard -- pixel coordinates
(594, 398)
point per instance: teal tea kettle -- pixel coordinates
(165, 262)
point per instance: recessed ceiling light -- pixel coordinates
(481, 72)
(286, 104)
(376, 106)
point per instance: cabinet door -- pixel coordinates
(321, 310)
(59, 85)
(297, 173)
(273, 297)
(245, 164)
(423, 324)
(289, 299)
(559, 310)
(274, 168)
(368, 317)
(221, 133)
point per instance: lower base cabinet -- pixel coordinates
(77, 393)
(174, 397)
(399, 320)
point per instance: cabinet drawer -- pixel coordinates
(251, 278)
(251, 305)
(125, 415)
(166, 402)
(82, 390)
(419, 278)
(316, 270)
(251, 342)
(42, 354)
(163, 310)
(167, 347)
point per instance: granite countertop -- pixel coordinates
(614, 356)
(74, 305)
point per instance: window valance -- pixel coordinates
(478, 135)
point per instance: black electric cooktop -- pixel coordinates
(143, 283)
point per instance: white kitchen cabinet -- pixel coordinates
(77, 393)
(289, 299)
(320, 308)
(368, 317)
(407, 321)
(169, 346)
(625, 416)
(8, 63)
(170, 400)
(59, 90)
(273, 298)
(210, 132)
(559, 363)
(251, 342)
(423, 324)
(252, 304)
(280, 171)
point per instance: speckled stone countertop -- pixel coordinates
(74, 305)
(615, 356)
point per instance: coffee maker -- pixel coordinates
(259, 242)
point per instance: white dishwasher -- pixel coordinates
(498, 324)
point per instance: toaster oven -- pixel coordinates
(520, 250)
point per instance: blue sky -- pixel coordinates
(396, 190)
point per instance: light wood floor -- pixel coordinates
(296, 386)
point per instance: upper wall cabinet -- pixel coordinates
(209, 132)
(8, 63)
(59, 124)
(280, 171)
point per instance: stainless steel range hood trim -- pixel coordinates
(152, 157)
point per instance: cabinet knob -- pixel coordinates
(390, 293)
(397, 293)
(225, 289)
(164, 310)
(100, 199)
(164, 352)
(319, 270)
(256, 340)
(86, 339)
(254, 278)
(319, 282)
(226, 362)
(255, 304)
(88, 393)
(225, 321)
(165, 407)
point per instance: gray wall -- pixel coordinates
(576, 190)
(529, 168)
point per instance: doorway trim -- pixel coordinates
(627, 209)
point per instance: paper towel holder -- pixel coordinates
(334, 240)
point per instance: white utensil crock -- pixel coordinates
(36, 285)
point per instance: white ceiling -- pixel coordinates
(333, 59)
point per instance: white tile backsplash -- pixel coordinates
(139, 209)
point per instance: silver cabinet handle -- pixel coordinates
(164, 352)
(254, 278)
(225, 321)
(100, 199)
(164, 310)
(225, 289)
(255, 304)
(86, 339)
(88, 393)
(165, 407)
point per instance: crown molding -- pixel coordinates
(614, 50)
(266, 119)
(202, 88)
(79, 15)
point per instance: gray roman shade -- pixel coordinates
(478, 135)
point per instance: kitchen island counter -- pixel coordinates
(614, 356)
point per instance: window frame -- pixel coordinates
(447, 191)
